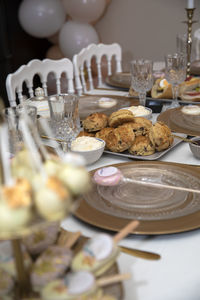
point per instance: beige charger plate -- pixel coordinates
(95, 217)
(89, 104)
(174, 119)
(120, 80)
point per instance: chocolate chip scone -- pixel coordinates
(142, 146)
(119, 117)
(85, 133)
(103, 134)
(95, 122)
(160, 136)
(140, 126)
(120, 139)
(144, 124)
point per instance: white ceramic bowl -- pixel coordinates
(147, 116)
(195, 148)
(92, 156)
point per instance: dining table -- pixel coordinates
(176, 275)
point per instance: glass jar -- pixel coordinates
(40, 101)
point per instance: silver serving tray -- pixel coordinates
(154, 156)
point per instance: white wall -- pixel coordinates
(145, 28)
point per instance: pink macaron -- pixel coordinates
(108, 176)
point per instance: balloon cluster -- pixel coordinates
(68, 24)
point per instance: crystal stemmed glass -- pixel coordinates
(65, 121)
(175, 73)
(141, 77)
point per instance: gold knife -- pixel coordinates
(140, 253)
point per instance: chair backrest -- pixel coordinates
(84, 57)
(42, 68)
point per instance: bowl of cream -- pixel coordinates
(140, 111)
(191, 114)
(90, 148)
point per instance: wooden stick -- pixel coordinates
(44, 152)
(48, 133)
(112, 279)
(68, 239)
(5, 160)
(33, 150)
(125, 231)
(160, 185)
(52, 138)
(22, 274)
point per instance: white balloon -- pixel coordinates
(85, 10)
(41, 18)
(74, 36)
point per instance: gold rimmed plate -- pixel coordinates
(89, 104)
(120, 80)
(173, 222)
(179, 122)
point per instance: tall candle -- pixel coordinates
(190, 3)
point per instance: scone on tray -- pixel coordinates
(119, 117)
(141, 120)
(103, 133)
(120, 139)
(160, 136)
(140, 126)
(124, 129)
(95, 122)
(142, 146)
(85, 133)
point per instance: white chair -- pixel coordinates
(42, 68)
(83, 59)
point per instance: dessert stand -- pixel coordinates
(23, 287)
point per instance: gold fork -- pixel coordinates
(184, 139)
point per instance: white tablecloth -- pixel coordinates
(176, 276)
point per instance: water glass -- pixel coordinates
(142, 78)
(175, 73)
(65, 121)
(12, 116)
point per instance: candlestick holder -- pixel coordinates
(189, 22)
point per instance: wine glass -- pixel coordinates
(175, 73)
(141, 77)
